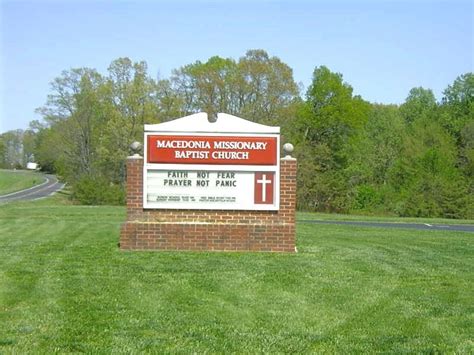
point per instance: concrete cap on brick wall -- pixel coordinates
(134, 156)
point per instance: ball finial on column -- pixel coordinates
(136, 147)
(288, 149)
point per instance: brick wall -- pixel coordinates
(209, 229)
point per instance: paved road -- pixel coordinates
(50, 186)
(422, 226)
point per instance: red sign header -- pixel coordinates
(212, 150)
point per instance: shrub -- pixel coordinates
(367, 198)
(91, 190)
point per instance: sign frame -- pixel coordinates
(149, 167)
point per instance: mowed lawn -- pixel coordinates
(66, 287)
(16, 180)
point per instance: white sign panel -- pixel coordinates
(222, 189)
(211, 170)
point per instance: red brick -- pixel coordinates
(209, 230)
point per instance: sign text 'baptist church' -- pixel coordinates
(192, 163)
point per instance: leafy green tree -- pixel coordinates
(467, 150)
(91, 120)
(257, 87)
(458, 100)
(420, 104)
(3, 151)
(266, 88)
(458, 119)
(426, 179)
(416, 159)
(373, 154)
(207, 86)
(131, 93)
(48, 151)
(13, 153)
(128, 96)
(169, 103)
(76, 118)
(29, 146)
(331, 117)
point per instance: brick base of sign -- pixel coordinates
(209, 230)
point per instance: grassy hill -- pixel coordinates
(16, 180)
(66, 287)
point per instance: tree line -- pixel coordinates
(413, 159)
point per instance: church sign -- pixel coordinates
(230, 164)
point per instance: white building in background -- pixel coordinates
(32, 166)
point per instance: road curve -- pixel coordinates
(50, 186)
(420, 226)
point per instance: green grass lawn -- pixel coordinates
(349, 217)
(65, 287)
(16, 180)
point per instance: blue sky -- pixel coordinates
(382, 48)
